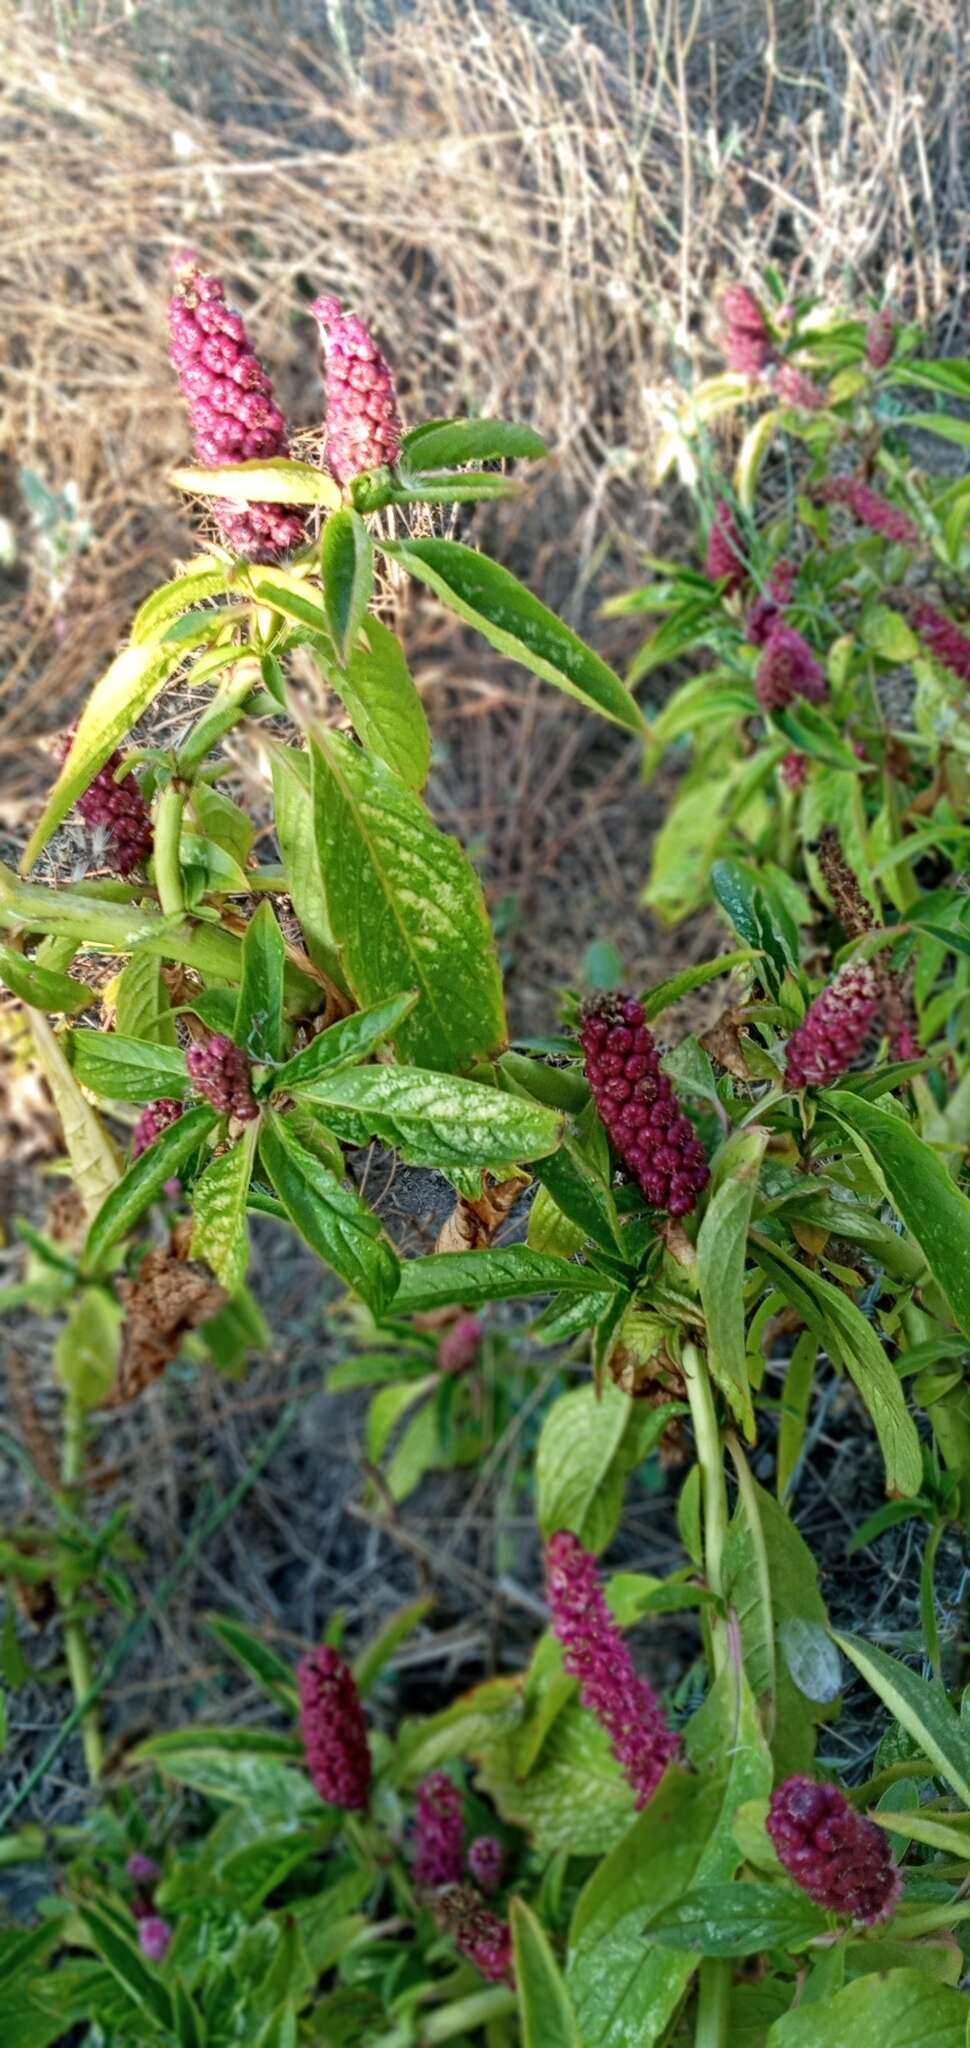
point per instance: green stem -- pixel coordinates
(225, 711)
(713, 2001)
(449, 2021)
(168, 834)
(76, 1643)
(710, 1459)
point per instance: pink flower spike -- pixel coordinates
(334, 1730)
(154, 1937)
(725, 550)
(839, 1857)
(870, 508)
(880, 340)
(595, 1653)
(221, 1070)
(835, 1028)
(155, 1118)
(459, 1347)
(794, 388)
(486, 1858)
(655, 1140)
(364, 427)
(477, 1933)
(944, 639)
(440, 1831)
(788, 669)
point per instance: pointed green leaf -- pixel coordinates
(884, 2009)
(576, 1463)
(272, 1672)
(377, 1654)
(344, 1043)
(293, 805)
(514, 621)
(259, 1016)
(203, 578)
(378, 691)
(89, 1346)
(548, 2019)
(722, 1253)
(405, 907)
(660, 998)
(123, 1958)
(92, 1155)
(143, 1009)
(434, 1119)
(39, 987)
(336, 1224)
(146, 1179)
(279, 481)
(126, 1069)
(347, 561)
(510, 1274)
(920, 1706)
(445, 444)
(219, 1233)
(738, 1920)
(919, 1188)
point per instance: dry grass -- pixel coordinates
(536, 204)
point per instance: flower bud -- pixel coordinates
(155, 1118)
(334, 1730)
(363, 423)
(595, 1653)
(835, 1028)
(486, 1857)
(440, 1832)
(725, 550)
(880, 340)
(459, 1347)
(839, 1857)
(222, 1071)
(655, 1140)
(154, 1938)
(788, 669)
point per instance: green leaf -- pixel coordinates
(125, 1069)
(722, 1250)
(434, 1119)
(841, 1326)
(224, 822)
(942, 423)
(575, 1461)
(39, 987)
(771, 1580)
(336, 1224)
(278, 481)
(548, 2019)
(89, 1346)
(921, 1707)
(952, 377)
(945, 1831)
(406, 908)
(919, 1188)
(738, 1920)
(378, 691)
(259, 1014)
(208, 870)
(143, 1008)
(271, 1671)
(508, 1274)
(511, 619)
(443, 444)
(582, 1193)
(93, 1157)
(146, 1179)
(219, 1233)
(382, 1649)
(293, 805)
(116, 703)
(201, 580)
(123, 1958)
(347, 561)
(894, 2009)
(344, 1043)
(261, 1783)
(572, 1796)
(664, 993)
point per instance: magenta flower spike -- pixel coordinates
(477, 1933)
(655, 1140)
(221, 1070)
(440, 1832)
(880, 340)
(334, 1730)
(155, 1118)
(944, 640)
(363, 422)
(459, 1347)
(154, 1937)
(870, 508)
(118, 809)
(486, 1858)
(839, 1857)
(231, 405)
(595, 1653)
(794, 388)
(835, 1028)
(725, 549)
(788, 669)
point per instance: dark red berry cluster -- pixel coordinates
(486, 1859)
(748, 344)
(477, 1932)
(636, 1101)
(834, 1029)
(231, 405)
(153, 1120)
(870, 508)
(119, 810)
(363, 422)
(725, 549)
(880, 340)
(944, 639)
(787, 669)
(595, 1653)
(334, 1730)
(439, 1832)
(222, 1071)
(841, 1859)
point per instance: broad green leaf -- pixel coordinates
(418, 1449)
(550, 1231)
(573, 1796)
(942, 423)
(952, 377)
(278, 481)
(578, 1445)
(223, 821)
(548, 2019)
(664, 993)
(842, 1327)
(739, 1920)
(93, 1157)
(347, 561)
(471, 1723)
(687, 627)
(336, 1224)
(116, 703)
(514, 621)
(259, 1015)
(208, 870)
(123, 1958)
(433, 1119)
(271, 1671)
(812, 733)
(378, 690)
(583, 1194)
(722, 1251)
(939, 1830)
(143, 1009)
(125, 1069)
(405, 908)
(146, 1179)
(509, 1274)
(444, 444)
(219, 1233)
(770, 1580)
(920, 1706)
(382, 1649)
(387, 1408)
(202, 579)
(293, 805)
(39, 987)
(919, 1188)
(89, 1346)
(894, 2009)
(344, 1043)
(262, 1783)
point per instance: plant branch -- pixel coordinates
(76, 1644)
(710, 1459)
(168, 833)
